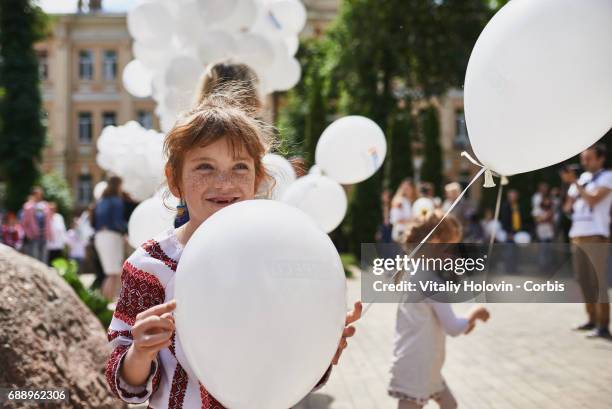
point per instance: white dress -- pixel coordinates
(419, 349)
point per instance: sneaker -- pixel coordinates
(589, 326)
(601, 332)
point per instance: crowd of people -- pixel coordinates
(96, 235)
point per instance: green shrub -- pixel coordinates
(92, 298)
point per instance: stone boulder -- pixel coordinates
(48, 337)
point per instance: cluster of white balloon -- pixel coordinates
(176, 39)
(134, 154)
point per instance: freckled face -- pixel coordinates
(213, 178)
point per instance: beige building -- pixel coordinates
(81, 64)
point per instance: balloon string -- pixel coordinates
(494, 232)
(450, 209)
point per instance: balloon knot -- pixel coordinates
(488, 179)
(504, 180)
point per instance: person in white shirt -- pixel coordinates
(401, 208)
(590, 200)
(57, 243)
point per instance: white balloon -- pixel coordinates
(293, 44)
(282, 173)
(320, 197)
(423, 207)
(289, 16)
(242, 18)
(261, 296)
(351, 149)
(183, 73)
(150, 218)
(99, 189)
(152, 57)
(255, 51)
(137, 79)
(214, 11)
(538, 86)
(151, 23)
(285, 74)
(215, 46)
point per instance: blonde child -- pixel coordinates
(214, 160)
(421, 330)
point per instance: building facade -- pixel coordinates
(80, 67)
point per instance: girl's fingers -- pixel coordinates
(153, 324)
(157, 310)
(151, 340)
(348, 332)
(168, 316)
(355, 314)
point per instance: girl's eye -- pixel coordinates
(241, 166)
(205, 166)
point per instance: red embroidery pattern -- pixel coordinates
(156, 379)
(179, 388)
(208, 401)
(139, 292)
(154, 250)
(112, 365)
(114, 334)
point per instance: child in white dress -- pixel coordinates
(421, 330)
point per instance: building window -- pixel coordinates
(84, 190)
(461, 140)
(43, 64)
(109, 119)
(145, 119)
(85, 125)
(86, 65)
(110, 65)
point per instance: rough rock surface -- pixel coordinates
(48, 337)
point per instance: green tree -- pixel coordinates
(22, 136)
(398, 164)
(56, 189)
(432, 151)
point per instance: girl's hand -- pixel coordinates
(349, 330)
(153, 330)
(478, 313)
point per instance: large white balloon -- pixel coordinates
(151, 23)
(538, 88)
(351, 149)
(150, 218)
(320, 197)
(282, 173)
(260, 310)
(137, 79)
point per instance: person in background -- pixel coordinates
(401, 208)
(451, 193)
(76, 239)
(36, 222)
(11, 231)
(510, 215)
(544, 217)
(492, 227)
(110, 226)
(590, 199)
(57, 244)
(542, 192)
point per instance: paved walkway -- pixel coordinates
(524, 357)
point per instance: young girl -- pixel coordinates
(421, 329)
(214, 159)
